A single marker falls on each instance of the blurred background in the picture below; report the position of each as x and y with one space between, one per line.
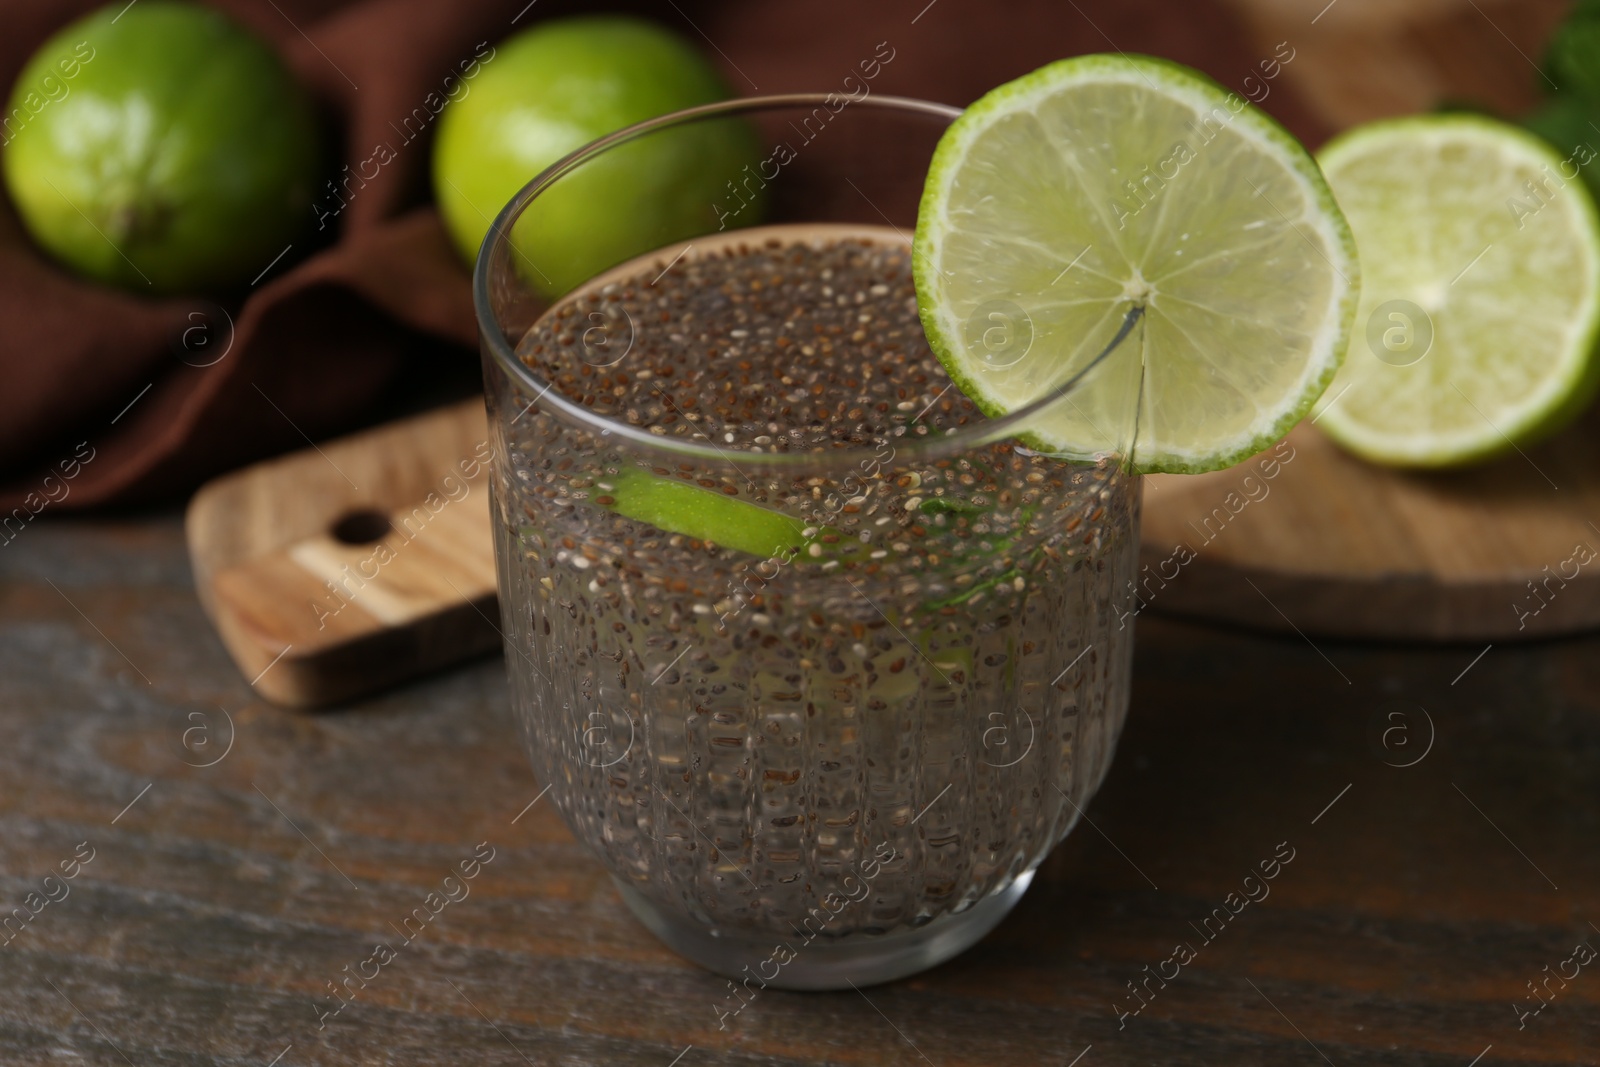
370 314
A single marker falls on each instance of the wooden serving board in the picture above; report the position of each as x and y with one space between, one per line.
1308 538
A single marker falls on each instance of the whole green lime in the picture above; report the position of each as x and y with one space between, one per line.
160 147
554 88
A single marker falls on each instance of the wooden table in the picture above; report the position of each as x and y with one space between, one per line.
1442 805
221 899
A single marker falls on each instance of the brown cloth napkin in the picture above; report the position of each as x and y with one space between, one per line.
110 398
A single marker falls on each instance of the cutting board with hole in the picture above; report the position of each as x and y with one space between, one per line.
346 568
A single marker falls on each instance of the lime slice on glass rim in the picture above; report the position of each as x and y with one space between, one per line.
1061 202
1478 317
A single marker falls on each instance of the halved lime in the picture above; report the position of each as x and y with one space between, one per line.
1060 201
1478 317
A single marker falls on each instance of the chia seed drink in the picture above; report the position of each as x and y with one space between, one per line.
837 761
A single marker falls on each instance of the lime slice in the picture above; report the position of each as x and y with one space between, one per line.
1477 325
1061 201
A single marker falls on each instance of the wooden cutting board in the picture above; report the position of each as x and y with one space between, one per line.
349 567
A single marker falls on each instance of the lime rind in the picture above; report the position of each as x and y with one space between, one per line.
1502 422
1319 223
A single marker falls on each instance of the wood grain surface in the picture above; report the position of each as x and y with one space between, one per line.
221 899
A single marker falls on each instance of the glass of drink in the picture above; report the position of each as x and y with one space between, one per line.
816 657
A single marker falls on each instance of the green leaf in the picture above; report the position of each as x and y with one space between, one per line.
1572 61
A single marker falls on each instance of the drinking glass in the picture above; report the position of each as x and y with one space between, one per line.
841 760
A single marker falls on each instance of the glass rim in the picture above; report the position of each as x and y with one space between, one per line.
932 446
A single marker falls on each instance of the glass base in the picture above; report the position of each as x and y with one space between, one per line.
859 959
